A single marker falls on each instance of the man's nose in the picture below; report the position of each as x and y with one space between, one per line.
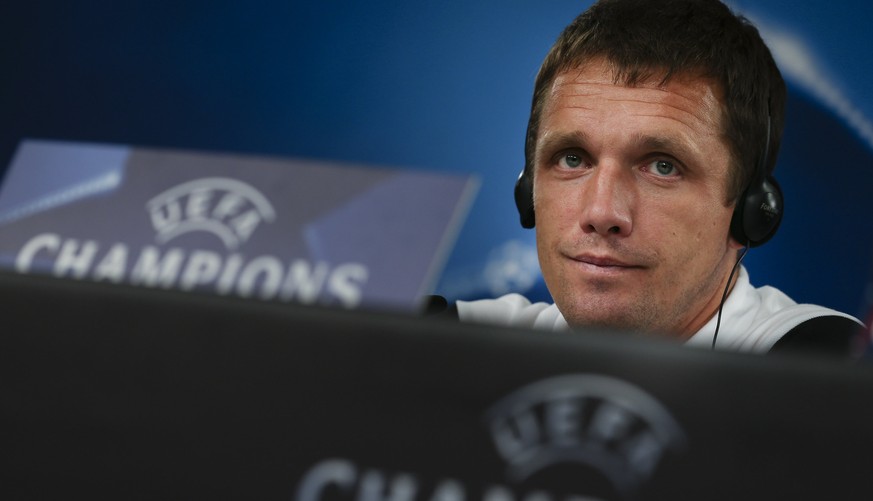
606 201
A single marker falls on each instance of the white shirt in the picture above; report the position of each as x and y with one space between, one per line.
752 320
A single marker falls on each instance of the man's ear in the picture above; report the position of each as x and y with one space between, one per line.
733 244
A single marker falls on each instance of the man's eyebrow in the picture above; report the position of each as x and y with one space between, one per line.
665 144
557 141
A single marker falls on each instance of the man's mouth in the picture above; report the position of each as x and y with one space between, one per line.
604 264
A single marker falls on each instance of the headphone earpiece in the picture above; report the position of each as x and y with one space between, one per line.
524 200
758 213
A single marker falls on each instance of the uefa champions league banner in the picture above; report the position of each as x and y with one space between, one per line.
273 229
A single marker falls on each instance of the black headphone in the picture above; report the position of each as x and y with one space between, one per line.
756 216
759 210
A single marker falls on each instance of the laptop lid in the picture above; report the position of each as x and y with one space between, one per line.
114 392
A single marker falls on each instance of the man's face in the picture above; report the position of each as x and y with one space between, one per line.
629 191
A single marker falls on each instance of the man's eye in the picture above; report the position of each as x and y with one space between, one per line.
662 168
570 161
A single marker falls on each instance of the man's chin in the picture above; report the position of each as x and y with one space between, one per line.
617 327
611 324
613 319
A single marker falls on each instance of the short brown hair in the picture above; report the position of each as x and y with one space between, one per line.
645 39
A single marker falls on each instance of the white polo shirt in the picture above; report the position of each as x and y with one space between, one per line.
753 319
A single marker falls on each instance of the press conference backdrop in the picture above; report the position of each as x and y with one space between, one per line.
427 85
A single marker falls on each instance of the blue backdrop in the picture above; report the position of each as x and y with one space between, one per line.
427 85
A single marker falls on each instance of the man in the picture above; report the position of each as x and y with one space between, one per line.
654 130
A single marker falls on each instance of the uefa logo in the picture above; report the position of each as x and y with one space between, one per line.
591 422
227 208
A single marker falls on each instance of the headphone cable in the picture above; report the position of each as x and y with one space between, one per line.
726 289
